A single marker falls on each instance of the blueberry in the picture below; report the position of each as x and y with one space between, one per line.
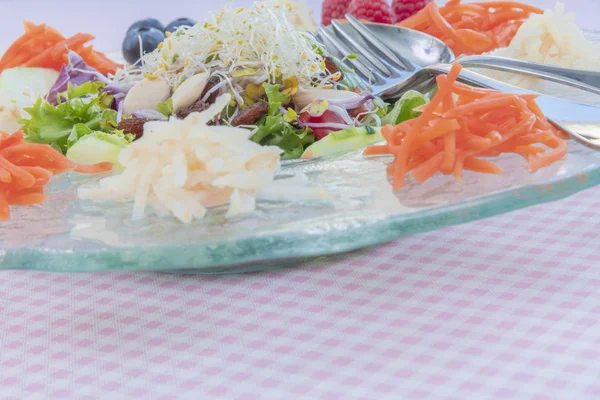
151 37
147 23
179 22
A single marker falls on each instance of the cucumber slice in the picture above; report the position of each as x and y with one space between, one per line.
344 141
32 82
97 147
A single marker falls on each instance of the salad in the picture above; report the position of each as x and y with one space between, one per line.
208 110
285 88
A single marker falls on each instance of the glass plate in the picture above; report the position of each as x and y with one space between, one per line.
66 235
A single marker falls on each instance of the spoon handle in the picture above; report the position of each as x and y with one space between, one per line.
580 79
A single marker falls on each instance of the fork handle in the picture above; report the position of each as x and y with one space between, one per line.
581 79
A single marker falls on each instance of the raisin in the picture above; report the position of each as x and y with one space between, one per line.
250 114
132 125
212 82
197 106
333 67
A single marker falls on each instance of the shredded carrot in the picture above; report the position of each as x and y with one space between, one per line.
94 168
44 47
473 28
483 166
26 168
460 125
370 151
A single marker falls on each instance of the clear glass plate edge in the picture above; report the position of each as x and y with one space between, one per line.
294 247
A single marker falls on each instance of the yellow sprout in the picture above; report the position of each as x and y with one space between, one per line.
318 109
290 86
290 116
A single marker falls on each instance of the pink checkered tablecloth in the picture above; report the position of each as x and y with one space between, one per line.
506 307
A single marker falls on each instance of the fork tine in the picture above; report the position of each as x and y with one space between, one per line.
364 70
370 38
362 50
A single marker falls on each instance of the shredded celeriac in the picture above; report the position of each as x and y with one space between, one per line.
183 167
256 41
550 38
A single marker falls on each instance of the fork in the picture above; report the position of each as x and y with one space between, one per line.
391 75
387 74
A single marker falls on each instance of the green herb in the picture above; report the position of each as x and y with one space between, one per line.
370 130
166 108
274 130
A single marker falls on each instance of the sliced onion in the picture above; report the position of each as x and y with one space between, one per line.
331 125
338 97
119 112
237 96
342 113
151 115
371 118
97 74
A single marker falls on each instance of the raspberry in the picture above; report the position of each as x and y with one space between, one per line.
371 10
402 9
334 9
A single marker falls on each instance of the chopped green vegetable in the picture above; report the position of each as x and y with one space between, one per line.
275 129
344 141
275 97
404 109
56 125
166 107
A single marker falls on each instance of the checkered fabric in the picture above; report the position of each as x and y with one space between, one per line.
501 308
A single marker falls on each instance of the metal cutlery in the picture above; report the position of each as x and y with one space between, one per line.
390 75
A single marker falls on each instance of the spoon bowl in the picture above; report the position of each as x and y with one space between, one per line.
420 48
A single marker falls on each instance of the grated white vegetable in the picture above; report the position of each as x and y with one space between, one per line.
183 167
550 38
261 37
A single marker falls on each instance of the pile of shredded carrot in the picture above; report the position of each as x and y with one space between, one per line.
473 28
25 168
460 125
44 47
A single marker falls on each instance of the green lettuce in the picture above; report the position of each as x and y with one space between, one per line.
62 125
274 130
404 109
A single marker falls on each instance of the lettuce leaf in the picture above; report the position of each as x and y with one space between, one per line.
404 109
273 130
275 97
56 124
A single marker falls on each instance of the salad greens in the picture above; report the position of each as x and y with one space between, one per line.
80 110
275 130
404 109
76 73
